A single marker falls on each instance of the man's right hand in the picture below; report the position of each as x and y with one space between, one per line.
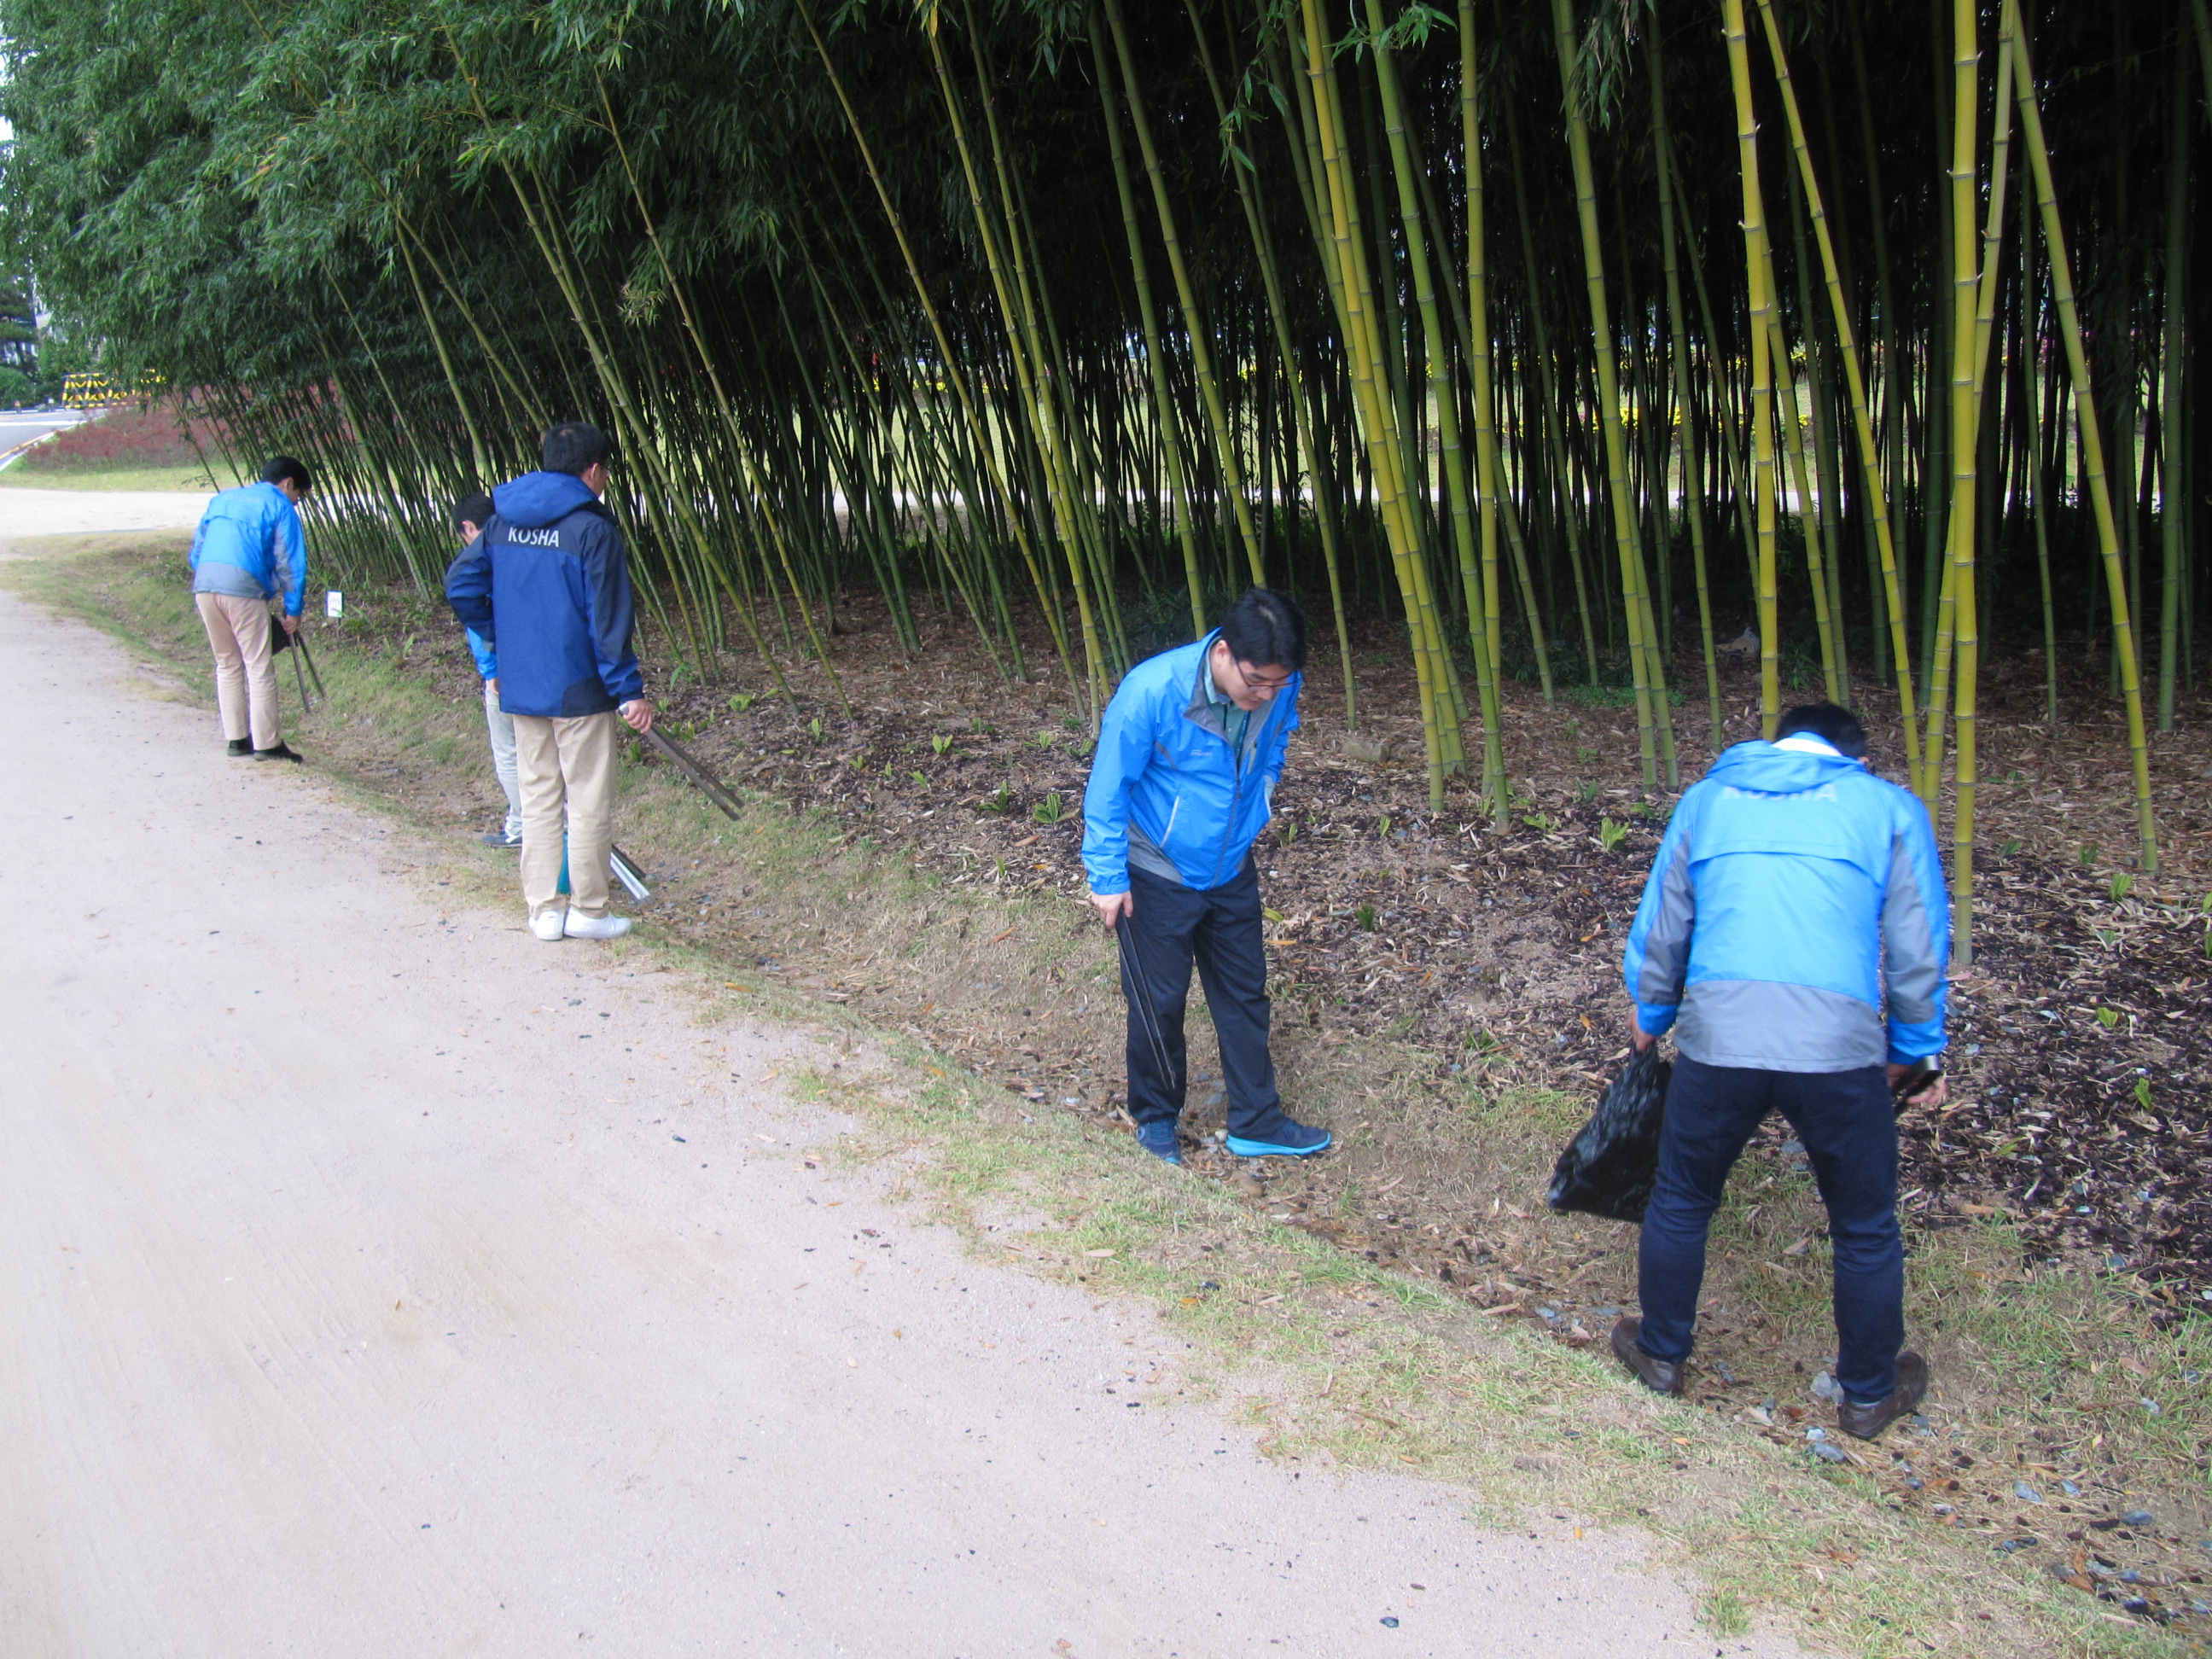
1112 907
637 713
1638 1038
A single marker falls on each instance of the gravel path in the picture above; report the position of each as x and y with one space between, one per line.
382 1281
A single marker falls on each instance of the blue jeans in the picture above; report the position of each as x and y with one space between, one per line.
1849 1129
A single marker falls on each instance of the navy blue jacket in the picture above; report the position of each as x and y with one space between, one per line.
1793 895
545 585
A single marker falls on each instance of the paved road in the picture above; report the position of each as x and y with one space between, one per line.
383 1281
21 425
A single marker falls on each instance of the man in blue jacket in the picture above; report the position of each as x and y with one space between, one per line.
1792 885
1188 757
546 586
249 548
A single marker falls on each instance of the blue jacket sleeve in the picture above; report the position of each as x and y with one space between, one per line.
1271 770
199 536
1916 936
487 658
610 611
292 535
1657 963
1125 750
468 590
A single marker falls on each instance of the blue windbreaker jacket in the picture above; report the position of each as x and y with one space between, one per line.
546 587
1165 776
256 528
1789 887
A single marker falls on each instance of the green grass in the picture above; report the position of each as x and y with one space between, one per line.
1329 1358
18 475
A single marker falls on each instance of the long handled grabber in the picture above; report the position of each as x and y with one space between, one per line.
1140 991
697 776
307 657
306 703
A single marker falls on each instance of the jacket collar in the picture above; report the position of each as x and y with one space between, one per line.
1202 710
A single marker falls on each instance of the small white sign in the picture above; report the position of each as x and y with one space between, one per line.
333 604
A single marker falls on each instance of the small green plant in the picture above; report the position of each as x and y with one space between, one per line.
1383 828
2143 1092
1272 914
2088 854
1287 831
979 726
1540 822
999 869
859 762
999 800
919 779
2107 937
1082 750
1727 1615
942 743
814 728
2204 905
1584 754
2121 885
2108 1017
1071 722
890 770
1364 918
1611 835
2009 848
1049 809
1045 738
1585 793
742 701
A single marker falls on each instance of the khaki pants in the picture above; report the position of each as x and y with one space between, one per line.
244 673
566 768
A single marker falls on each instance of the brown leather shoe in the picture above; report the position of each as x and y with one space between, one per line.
1868 1421
1656 1374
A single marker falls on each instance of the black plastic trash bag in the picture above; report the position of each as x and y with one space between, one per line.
1608 1170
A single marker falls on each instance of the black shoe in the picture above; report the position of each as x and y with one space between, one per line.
282 750
238 748
1660 1375
1869 1421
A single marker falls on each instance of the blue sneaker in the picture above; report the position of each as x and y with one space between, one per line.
1159 1137
1293 1139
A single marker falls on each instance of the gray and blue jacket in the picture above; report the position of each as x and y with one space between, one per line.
546 588
250 543
1169 791
1791 884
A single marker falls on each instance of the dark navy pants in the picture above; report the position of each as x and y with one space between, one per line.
1846 1121
1171 927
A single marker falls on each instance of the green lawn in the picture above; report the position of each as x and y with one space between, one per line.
172 479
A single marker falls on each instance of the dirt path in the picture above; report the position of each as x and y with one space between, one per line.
382 1281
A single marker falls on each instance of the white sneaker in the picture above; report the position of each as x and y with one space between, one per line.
580 925
547 925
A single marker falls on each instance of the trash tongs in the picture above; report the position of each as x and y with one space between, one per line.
698 776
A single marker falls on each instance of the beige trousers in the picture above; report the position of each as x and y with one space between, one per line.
567 771
244 673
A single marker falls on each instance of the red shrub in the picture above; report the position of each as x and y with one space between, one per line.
128 437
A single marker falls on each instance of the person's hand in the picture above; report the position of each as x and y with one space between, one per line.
291 624
638 714
492 685
1638 1038
1112 907
1931 1096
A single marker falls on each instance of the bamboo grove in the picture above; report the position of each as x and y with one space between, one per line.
1583 342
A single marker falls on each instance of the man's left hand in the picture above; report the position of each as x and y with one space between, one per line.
1638 1038
1933 1096
639 715
291 624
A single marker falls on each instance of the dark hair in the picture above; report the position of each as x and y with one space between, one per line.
574 446
472 509
1839 728
1267 631
282 467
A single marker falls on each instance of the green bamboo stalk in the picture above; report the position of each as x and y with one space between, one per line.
1201 354
1762 390
1654 720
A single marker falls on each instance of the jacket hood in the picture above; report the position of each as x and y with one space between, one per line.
1760 766
540 498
